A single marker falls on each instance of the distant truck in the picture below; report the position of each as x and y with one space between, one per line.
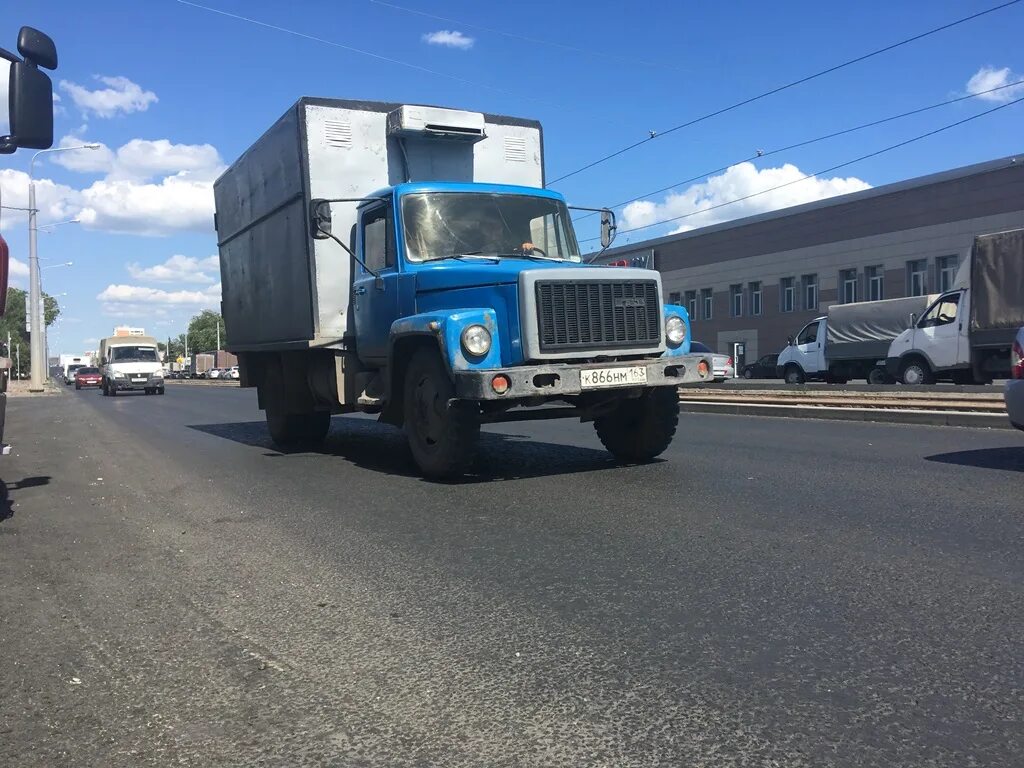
130 364
850 342
966 334
67 361
408 261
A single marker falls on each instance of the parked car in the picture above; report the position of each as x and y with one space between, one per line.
88 377
213 373
1014 393
233 373
762 368
721 364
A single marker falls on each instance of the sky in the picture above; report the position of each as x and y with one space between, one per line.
174 92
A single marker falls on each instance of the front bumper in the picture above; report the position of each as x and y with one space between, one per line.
563 379
88 383
127 385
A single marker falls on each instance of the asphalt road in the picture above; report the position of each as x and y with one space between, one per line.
775 592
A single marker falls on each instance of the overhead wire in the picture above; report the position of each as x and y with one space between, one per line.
830 169
808 142
660 134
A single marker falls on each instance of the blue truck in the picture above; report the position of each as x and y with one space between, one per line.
408 261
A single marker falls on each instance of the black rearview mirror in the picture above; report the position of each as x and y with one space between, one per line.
608 227
37 48
913 319
30 93
789 340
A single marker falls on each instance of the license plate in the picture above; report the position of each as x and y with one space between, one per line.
138 380
593 378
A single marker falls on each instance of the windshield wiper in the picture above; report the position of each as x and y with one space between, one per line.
474 256
521 255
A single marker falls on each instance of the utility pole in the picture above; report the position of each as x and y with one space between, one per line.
218 334
37 347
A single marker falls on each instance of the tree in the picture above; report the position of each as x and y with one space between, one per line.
202 331
13 321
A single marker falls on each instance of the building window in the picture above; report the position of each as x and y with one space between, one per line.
691 304
946 266
876 282
917 277
810 287
736 300
675 298
755 298
705 295
787 294
848 286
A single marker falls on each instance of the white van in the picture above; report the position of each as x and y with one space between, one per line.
131 363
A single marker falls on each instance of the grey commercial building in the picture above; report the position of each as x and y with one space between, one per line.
760 279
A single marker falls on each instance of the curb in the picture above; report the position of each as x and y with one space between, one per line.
882 415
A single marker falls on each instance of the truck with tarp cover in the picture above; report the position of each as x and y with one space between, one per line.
850 342
965 334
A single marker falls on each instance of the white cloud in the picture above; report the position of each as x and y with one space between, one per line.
141 159
176 203
449 39
99 160
56 202
18 268
120 96
145 296
177 269
737 182
987 78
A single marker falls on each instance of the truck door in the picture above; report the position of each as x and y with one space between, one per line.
375 299
939 331
810 347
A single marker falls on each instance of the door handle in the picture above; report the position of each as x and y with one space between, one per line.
359 290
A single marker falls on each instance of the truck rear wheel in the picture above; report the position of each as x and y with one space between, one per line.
642 428
442 433
878 376
793 374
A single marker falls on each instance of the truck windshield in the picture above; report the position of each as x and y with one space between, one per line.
133 354
442 225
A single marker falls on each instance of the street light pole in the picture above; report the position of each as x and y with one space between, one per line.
37 346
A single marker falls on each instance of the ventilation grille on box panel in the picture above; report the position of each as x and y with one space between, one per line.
515 149
337 133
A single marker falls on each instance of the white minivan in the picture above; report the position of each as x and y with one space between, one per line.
131 363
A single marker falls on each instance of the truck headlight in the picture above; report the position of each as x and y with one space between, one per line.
675 330
476 340
119 375
156 375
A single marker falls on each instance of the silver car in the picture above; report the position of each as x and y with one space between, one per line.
721 365
1014 393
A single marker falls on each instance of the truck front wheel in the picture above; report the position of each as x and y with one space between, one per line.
442 433
916 371
642 428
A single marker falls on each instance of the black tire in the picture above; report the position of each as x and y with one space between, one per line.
748 374
77 385
915 371
442 434
160 391
793 375
112 390
640 429
877 376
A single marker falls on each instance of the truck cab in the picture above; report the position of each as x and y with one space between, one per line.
804 358
937 342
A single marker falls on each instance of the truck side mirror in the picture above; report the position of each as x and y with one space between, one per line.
320 219
608 227
789 341
30 97
913 319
